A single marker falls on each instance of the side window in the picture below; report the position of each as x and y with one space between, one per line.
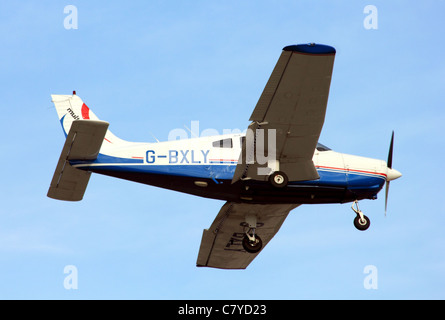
225 143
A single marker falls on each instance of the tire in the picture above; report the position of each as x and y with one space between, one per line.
360 225
278 179
251 247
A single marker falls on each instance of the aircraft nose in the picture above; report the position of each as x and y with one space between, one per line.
392 174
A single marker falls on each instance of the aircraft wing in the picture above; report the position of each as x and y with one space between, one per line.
221 244
294 104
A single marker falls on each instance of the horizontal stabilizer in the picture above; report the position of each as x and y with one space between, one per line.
83 142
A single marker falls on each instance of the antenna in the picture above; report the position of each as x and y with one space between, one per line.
154 137
191 132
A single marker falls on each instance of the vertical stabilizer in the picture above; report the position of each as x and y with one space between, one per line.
70 108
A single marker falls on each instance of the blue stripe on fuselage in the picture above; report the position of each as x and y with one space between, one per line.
335 178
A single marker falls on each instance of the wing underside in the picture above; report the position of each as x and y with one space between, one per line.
221 244
293 104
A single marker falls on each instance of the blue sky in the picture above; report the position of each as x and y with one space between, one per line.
151 67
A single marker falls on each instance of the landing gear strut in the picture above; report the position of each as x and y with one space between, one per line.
361 222
251 242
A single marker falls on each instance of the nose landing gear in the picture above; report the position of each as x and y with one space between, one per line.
361 222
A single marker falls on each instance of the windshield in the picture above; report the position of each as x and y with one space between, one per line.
322 147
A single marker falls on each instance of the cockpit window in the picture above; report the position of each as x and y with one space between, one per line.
321 147
224 143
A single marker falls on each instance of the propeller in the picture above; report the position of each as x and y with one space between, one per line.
392 174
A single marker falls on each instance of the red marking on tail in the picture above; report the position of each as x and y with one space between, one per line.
85 112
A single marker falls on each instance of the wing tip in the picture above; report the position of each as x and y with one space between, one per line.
311 48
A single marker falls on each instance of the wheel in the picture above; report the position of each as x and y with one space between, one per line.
362 225
252 246
278 179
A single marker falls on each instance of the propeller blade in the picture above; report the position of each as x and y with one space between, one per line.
391 146
386 196
392 174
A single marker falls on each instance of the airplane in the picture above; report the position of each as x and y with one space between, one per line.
259 191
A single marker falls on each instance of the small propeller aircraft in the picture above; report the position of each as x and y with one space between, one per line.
259 190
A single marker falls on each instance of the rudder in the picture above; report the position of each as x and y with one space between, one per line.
70 108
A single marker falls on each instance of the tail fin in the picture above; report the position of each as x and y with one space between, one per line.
85 136
70 108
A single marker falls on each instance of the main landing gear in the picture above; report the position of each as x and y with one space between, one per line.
278 179
251 242
361 222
